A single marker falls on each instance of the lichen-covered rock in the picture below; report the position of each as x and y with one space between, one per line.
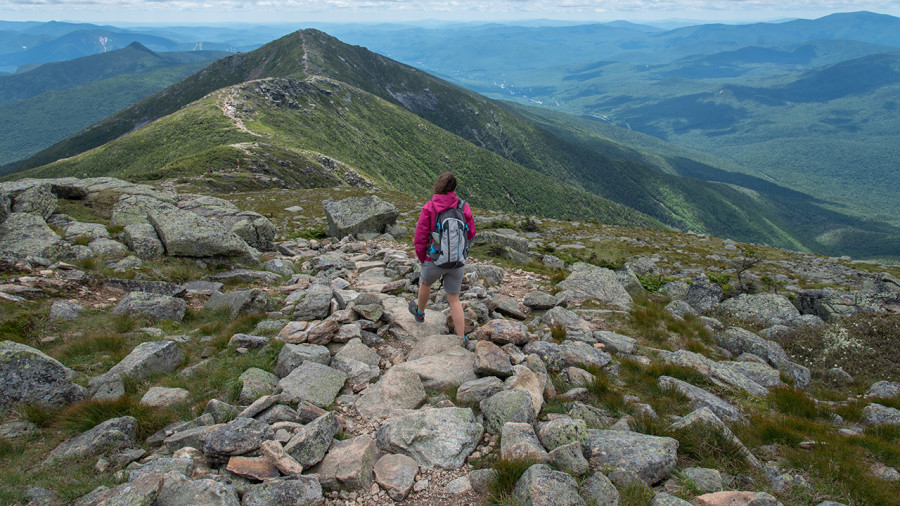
237 437
703 295
104 438
163 465
491 360
441 437
518 441
542 485
5 206
143 240
146 359
761 308
700 398
492 275
65 310
179 490
396 474
349 464
161 397
309 445
506 240
719 373
539 300
600 490
831 305
358 215
450 368
24 234
884 389
501 332
151 305
615 342
664 499
597 283
738 341
703 479
315 305
312 382
556 433
570 458
143 491
562 317
736 497
184 233
293 491
397 390
240 302
650 457
507 406
475 391
558 357
28 376
876 414
38 200
78 230
292 355
134 209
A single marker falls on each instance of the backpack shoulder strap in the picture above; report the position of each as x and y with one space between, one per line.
461 204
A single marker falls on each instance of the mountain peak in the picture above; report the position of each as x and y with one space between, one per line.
140 47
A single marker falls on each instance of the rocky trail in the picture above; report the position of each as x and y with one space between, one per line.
363 405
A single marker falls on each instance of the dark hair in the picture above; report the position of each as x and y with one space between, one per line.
445 183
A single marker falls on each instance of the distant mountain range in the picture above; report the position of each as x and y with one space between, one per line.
308 110
807 104
55 100
24 45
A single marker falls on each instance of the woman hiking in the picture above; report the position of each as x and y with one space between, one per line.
428 251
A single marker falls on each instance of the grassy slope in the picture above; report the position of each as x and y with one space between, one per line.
387 143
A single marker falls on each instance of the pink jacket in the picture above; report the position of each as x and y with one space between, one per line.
437 204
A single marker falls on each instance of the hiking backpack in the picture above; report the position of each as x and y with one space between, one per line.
449 245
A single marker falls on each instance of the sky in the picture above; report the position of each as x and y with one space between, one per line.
281 11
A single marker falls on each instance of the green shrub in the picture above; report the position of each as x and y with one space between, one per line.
653 283
793 402
20 324
508 474
722 279
88 414
704 445
311 233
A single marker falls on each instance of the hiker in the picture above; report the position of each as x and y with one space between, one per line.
443 261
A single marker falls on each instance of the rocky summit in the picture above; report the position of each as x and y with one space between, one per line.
182 349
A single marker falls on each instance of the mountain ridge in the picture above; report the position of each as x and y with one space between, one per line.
679 202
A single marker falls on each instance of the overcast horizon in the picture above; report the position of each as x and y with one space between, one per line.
198 12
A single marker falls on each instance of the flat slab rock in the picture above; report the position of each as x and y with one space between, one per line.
650 457
441 437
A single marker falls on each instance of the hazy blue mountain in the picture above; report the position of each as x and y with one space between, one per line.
44 106
135 58
14 41
83 43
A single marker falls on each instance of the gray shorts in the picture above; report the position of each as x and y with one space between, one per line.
452 277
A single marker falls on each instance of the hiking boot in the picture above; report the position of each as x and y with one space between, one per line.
414 310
